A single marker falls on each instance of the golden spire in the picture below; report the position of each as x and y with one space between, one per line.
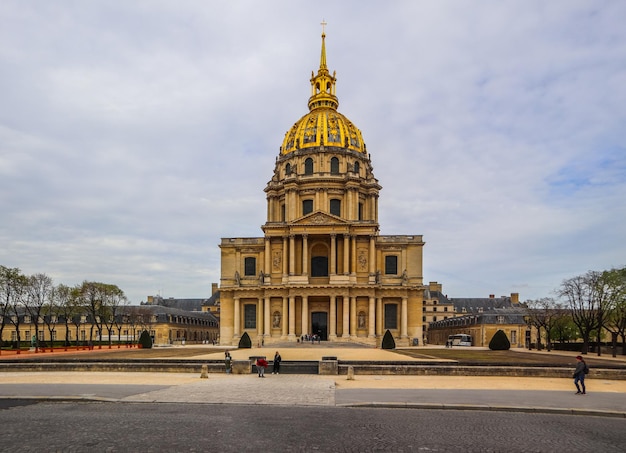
323 84
323 57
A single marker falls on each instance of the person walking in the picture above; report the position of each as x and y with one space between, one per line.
579 375
228 362
277 360
261 364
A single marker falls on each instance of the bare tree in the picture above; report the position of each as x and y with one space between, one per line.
14 288
581 296
544 314
112 298
8 282
37 295
91 297
51 311
121 318
64 308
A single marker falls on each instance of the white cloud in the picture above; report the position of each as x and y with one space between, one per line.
133 136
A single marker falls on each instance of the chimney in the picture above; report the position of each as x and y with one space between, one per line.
492 296
515 298
213 288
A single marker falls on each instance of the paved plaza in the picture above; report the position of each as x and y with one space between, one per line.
605 397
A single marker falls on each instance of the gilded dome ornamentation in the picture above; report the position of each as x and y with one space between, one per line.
323 125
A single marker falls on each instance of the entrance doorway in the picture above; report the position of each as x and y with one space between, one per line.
319 324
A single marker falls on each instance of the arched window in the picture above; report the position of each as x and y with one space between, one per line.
288 169
308 166
334 166
357 167
307 207
335 207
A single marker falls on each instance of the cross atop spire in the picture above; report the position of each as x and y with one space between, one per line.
323 24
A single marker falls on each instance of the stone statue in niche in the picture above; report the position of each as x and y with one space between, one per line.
361 320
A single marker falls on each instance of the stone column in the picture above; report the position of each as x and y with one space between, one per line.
260 312
237 318
372 318
292 254
285 318
372 254
268 258
333 254
332 335
305 255
379 316
403 319
346 254
292 317
267 318
305 314
353 255
346 318
285 256
353 317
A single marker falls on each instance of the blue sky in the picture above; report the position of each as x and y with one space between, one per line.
134 135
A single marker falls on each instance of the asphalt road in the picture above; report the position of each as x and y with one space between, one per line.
28 426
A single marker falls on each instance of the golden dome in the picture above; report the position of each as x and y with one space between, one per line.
323 125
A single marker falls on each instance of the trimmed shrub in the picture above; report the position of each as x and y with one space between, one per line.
499 342
388 341
245 341
145 340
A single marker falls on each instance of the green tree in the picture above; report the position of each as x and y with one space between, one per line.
615 319
145 340
388 341
245 342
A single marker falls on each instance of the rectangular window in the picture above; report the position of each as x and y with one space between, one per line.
335 207
250 265
391 316
249 316
391 265
360 211
513 337
307 207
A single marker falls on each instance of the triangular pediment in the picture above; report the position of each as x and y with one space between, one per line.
319 218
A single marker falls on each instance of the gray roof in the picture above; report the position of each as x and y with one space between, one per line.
480 304
182 304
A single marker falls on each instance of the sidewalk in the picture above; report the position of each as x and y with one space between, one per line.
548 395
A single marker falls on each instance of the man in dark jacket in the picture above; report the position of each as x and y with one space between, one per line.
277 360
579 375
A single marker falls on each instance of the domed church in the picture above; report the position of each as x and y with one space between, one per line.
321 267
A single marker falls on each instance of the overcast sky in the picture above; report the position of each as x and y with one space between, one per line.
134 135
